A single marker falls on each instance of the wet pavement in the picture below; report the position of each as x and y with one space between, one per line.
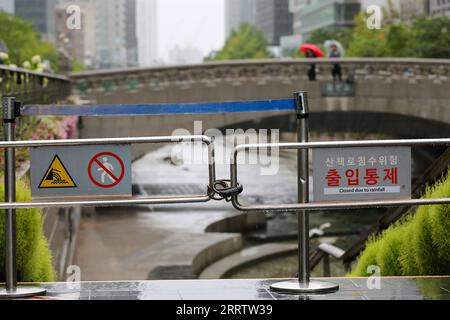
160 241
425 288
169 241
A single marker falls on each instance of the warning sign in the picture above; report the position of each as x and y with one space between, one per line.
57 176
364 173
106 170
91 171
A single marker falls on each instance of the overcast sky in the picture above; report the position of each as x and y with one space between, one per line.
197 23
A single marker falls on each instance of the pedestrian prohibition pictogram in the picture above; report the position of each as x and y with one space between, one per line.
106 170
57 176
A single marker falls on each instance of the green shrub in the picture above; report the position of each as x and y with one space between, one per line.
367 258
34 260
417 245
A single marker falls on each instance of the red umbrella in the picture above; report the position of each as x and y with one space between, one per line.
315 49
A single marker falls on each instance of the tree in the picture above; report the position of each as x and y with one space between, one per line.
432 37
367 42
23 41
400 41
245 43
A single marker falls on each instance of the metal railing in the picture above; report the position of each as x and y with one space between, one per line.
215 189
341 204
118 202
31 86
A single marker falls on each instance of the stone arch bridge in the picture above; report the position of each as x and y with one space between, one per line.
407 98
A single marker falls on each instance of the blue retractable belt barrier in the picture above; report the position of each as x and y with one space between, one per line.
158 109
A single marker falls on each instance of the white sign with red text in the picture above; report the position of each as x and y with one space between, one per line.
362 173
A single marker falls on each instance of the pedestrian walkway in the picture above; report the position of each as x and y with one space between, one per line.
422 288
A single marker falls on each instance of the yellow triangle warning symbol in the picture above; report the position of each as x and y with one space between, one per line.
57 176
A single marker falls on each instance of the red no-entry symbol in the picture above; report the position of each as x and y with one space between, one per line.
104 172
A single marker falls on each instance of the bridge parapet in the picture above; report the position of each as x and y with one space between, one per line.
415 89
31 86
259 72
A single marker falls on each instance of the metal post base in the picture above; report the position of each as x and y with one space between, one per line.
22 292
295 287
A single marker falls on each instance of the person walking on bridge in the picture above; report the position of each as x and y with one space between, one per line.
311 51
336 71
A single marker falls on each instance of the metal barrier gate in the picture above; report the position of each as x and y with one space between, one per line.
216 189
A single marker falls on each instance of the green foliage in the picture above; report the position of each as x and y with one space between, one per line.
367 42
344 36
24 41
426 38
418 245
296 54
78 66
399 41
432 37
34 261
367 258
245 43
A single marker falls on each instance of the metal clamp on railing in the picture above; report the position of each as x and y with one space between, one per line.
222 190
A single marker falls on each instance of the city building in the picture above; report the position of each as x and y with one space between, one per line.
393 8
311 15
147 32
237 12
296 7
440 7
110 34
381 3
273 18
115 34
107 37
79 43
185 55
41 13
7 6
412 9
131 42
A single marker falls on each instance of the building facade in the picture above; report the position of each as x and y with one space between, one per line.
147 32
274 19
107 37
185 55
110 34
296 7
7 6
41 13
311 15
412 9
79 43
381 3
131 42
237 12
440 7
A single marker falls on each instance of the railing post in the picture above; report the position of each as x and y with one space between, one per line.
11 290
9 120
326 265
301 102
303 284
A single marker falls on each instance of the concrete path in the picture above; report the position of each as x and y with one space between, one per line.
392 288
